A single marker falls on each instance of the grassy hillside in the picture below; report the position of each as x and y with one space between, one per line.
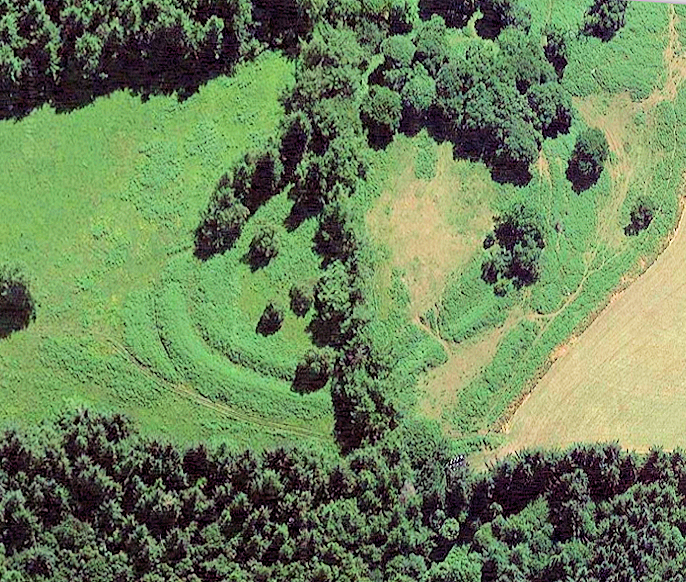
101 205
495 347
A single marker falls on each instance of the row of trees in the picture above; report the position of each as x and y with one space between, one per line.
68 51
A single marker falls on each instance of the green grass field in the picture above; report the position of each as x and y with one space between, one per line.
101 206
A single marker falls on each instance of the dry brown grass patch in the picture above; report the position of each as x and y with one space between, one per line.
424 226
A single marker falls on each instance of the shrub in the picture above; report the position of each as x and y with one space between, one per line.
17 307
641 216
263 248
313 371
302 296
271 319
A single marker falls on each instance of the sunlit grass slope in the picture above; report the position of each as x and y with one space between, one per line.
98 209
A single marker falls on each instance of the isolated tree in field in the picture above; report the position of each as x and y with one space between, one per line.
586 163
302 296
605 18
641 216
271 319
263 247
17 307
515 244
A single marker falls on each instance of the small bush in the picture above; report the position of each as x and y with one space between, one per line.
313 372
263 248
641 216
271 319
17 307
302 296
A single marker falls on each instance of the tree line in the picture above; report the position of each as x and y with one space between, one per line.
66 52
87 498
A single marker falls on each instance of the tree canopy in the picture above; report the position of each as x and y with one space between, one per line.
86 498
516 245
586 164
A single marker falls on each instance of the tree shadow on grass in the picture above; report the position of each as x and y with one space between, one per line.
17 308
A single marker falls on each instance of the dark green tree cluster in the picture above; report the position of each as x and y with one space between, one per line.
586 164
495 104
17 306
66 52
499 106
593 512
604 18
495 14
516 245
90 501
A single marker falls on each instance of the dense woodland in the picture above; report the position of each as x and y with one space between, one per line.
88 499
